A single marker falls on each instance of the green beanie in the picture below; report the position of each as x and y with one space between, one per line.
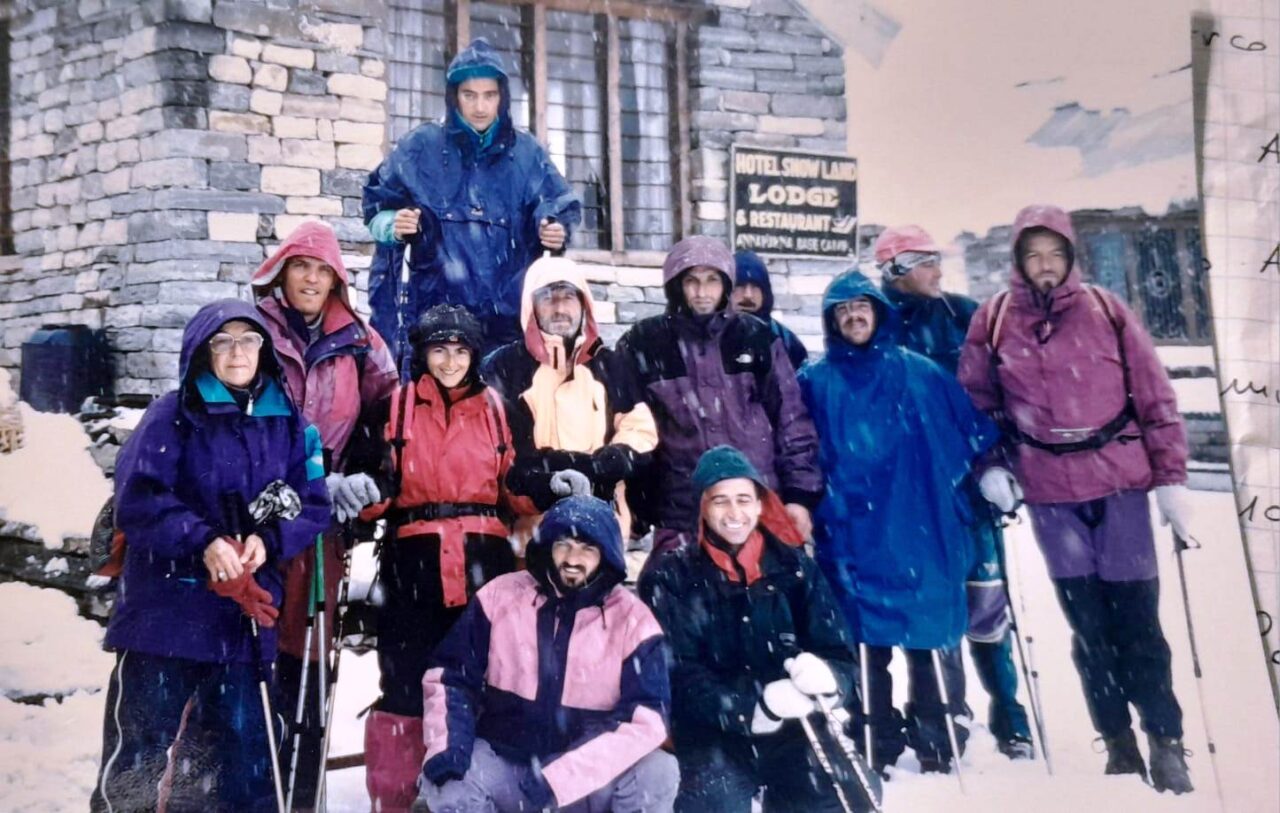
724 463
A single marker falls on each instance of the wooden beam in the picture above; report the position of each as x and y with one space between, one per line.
636 9
679 79
613 83
539 89
462 25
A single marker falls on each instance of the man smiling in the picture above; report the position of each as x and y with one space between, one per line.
898 433
551 691
756 637
714 376
334 368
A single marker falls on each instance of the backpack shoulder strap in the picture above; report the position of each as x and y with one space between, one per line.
995 318
1108 307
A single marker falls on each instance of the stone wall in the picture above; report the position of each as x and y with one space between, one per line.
160 148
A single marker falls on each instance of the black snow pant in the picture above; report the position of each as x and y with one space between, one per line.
925 725
1121 654
725 779
413 618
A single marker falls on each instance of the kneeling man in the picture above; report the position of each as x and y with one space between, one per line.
552 691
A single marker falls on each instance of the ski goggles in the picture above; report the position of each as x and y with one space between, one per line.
904 262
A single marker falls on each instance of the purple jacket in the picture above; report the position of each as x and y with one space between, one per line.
1074 379
195 454
723 379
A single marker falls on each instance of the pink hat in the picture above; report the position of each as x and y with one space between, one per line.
893 241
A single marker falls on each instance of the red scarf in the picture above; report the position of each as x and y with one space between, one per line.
774 518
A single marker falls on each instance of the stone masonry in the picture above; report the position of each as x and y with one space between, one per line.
161 148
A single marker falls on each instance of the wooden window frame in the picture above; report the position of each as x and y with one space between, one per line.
680 17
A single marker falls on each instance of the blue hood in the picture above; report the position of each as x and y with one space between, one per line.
748 267
194 358
587 519
478 60
851 285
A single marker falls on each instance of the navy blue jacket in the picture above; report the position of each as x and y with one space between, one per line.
482 201
934 328
576 680
749 268
729 639
195 458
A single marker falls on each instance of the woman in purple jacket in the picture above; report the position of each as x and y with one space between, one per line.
197 564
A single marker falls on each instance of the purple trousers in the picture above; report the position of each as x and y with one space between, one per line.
1109 537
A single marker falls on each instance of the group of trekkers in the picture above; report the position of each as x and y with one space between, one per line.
806 518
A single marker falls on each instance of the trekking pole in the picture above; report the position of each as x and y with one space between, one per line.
323 661
300 712
864 668
402 316
946 715
344 588
825 761
836 719
1026 657
1180 546
231 512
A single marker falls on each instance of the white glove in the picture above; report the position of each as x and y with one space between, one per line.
783 701
350 493
1174 503
811 675
569 481
999 488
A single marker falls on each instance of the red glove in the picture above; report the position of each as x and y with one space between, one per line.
254 601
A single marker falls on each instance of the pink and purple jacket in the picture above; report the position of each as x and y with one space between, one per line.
575 683
1059 374
349 366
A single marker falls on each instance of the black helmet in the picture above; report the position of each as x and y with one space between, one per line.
440 324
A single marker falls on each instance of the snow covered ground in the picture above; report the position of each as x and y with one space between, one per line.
50 658
49 752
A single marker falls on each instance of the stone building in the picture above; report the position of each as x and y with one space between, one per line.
156 150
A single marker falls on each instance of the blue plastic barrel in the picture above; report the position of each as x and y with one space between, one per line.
62 365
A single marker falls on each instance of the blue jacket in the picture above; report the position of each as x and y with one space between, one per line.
482 200
934 327
749 268
576 680
898 439
196 457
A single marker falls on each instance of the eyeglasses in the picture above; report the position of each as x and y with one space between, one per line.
222 343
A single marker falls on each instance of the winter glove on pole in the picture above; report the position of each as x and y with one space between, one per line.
570 482
781 700
254 601
999 488
348 494
1174 503
276 501
811 675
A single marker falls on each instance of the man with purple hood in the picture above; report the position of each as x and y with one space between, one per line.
713 376
1091 425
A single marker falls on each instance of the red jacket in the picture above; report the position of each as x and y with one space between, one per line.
457 452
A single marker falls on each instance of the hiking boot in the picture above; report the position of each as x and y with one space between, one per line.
934 764
1123 755
1017 747
1169 764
